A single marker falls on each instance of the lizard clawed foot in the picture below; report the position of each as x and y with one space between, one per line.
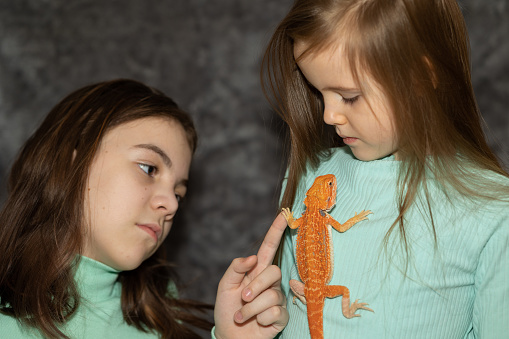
349 310
363 215
298 289
288 215
302 299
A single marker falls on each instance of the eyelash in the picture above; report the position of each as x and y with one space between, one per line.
154 169
350 101
347 101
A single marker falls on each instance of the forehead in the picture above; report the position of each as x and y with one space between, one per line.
144 128
164 132
339 50
329 64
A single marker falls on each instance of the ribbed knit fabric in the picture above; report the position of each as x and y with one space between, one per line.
458 289
99 315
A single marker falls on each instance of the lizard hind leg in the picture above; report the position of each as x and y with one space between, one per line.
333 291
298 289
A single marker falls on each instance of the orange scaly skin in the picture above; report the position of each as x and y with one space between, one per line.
314 253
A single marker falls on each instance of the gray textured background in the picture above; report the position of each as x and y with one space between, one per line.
206 55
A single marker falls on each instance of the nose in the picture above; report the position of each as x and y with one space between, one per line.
333 116
165 203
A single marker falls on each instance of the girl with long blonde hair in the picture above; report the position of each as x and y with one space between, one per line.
379 94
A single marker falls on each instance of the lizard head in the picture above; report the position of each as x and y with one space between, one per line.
323 191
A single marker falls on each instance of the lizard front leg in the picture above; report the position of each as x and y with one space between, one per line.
349 223
290 220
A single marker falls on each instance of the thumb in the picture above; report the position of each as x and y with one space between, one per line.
236 273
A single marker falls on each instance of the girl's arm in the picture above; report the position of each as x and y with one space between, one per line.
249 301
491 305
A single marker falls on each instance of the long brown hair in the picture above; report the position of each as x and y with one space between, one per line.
41 222
417 51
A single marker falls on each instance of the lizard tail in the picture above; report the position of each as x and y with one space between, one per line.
315 319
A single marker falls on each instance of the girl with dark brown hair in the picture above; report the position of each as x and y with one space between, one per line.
404 137
92 196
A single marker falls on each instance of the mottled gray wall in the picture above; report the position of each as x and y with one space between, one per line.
205 54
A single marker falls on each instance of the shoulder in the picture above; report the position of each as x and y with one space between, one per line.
488 200
495 217
482 223
12 328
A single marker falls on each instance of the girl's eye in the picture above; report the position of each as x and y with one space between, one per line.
150 170
350 101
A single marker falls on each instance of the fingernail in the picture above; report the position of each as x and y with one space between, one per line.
247 293
238 316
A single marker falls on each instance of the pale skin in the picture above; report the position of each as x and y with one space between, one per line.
250 303
135 183
363 120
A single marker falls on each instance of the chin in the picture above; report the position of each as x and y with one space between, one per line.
364 157
129 267
370 157
127 264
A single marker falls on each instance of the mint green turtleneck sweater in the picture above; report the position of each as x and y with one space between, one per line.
99 314
460 289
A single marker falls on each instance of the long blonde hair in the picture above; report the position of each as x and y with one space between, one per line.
418 52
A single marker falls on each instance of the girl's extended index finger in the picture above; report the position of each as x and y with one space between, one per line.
271 242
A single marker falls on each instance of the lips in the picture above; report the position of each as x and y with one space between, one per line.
347 140
153 230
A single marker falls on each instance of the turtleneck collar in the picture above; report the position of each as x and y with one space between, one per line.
96 281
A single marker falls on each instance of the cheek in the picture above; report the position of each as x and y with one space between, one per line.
113 198
382 123
387 120
389 130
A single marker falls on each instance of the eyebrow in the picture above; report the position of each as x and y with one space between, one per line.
336 88
164 157
343 89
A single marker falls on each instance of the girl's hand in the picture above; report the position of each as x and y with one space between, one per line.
249 302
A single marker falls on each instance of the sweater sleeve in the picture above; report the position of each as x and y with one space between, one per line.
491 304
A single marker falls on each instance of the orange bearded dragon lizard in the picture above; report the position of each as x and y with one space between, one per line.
315 253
